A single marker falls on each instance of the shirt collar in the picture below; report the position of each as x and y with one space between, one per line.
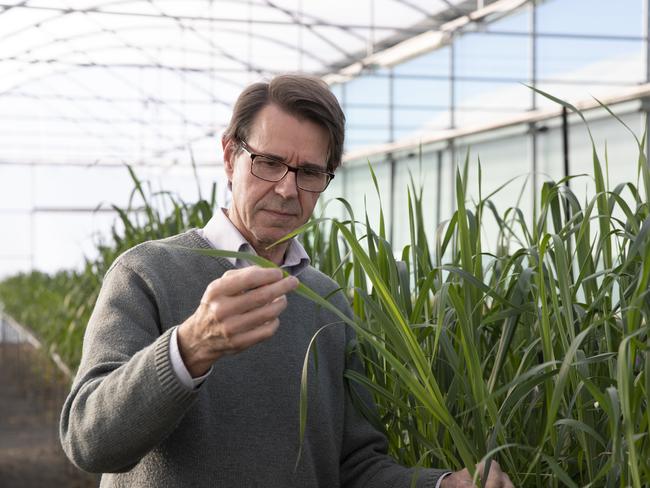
221 233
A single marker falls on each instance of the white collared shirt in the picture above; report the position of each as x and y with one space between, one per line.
221 233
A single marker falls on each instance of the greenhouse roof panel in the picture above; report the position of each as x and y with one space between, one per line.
172 68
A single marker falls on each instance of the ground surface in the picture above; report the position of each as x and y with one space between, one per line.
31 394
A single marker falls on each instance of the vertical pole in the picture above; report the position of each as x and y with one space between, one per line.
452 119
32 218
370 48
565 144
391 228
646 50
533 102
391 159
344 175
567 172
300 34
213 67
249 39
391 105
439 188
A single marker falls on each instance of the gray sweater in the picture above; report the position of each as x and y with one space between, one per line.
128 415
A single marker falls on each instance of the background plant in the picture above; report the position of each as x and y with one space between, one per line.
57 306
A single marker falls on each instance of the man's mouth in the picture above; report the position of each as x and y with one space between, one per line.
280 213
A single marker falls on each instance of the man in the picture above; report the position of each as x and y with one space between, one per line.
191 367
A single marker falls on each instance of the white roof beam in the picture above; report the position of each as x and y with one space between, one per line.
420 44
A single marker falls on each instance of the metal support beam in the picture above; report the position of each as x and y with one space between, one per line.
538 115
439 188
393 163
565 144
393 174
452 121
220 19
646 50
32 218
533 101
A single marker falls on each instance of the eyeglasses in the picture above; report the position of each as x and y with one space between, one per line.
270 168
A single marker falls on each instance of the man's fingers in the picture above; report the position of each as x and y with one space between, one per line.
505 481
263 295
239 310
233 282
243 341
253 319
496 477
223 307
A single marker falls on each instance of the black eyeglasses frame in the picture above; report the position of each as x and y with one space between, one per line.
247 149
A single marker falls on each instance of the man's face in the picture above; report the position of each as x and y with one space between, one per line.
265 211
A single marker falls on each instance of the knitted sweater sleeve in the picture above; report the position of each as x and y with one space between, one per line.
125 398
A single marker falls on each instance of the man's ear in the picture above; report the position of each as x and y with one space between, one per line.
229 151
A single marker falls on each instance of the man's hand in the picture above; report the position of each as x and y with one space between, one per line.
496 478
236 312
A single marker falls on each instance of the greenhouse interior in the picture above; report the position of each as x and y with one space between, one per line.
485 244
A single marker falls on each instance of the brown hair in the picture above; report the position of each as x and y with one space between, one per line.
302 96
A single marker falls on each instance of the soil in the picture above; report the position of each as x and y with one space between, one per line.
32 391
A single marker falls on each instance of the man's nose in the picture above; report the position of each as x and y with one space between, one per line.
287 187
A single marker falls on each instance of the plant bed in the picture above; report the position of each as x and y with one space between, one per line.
33 391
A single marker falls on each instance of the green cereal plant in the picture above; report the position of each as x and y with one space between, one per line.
535 353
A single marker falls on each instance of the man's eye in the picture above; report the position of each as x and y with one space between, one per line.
269 163
311 173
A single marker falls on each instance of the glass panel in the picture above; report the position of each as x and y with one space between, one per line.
337 89
18 246
422 93
424 172
420 104
15 187
608 133
61 240
589 62
490 70
11 265
367 110
368 89
63 187
574 68
447 184
367 126
361 194
501 159
326 205
517 21
484 102
433 63
601 17
494 56
410 121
